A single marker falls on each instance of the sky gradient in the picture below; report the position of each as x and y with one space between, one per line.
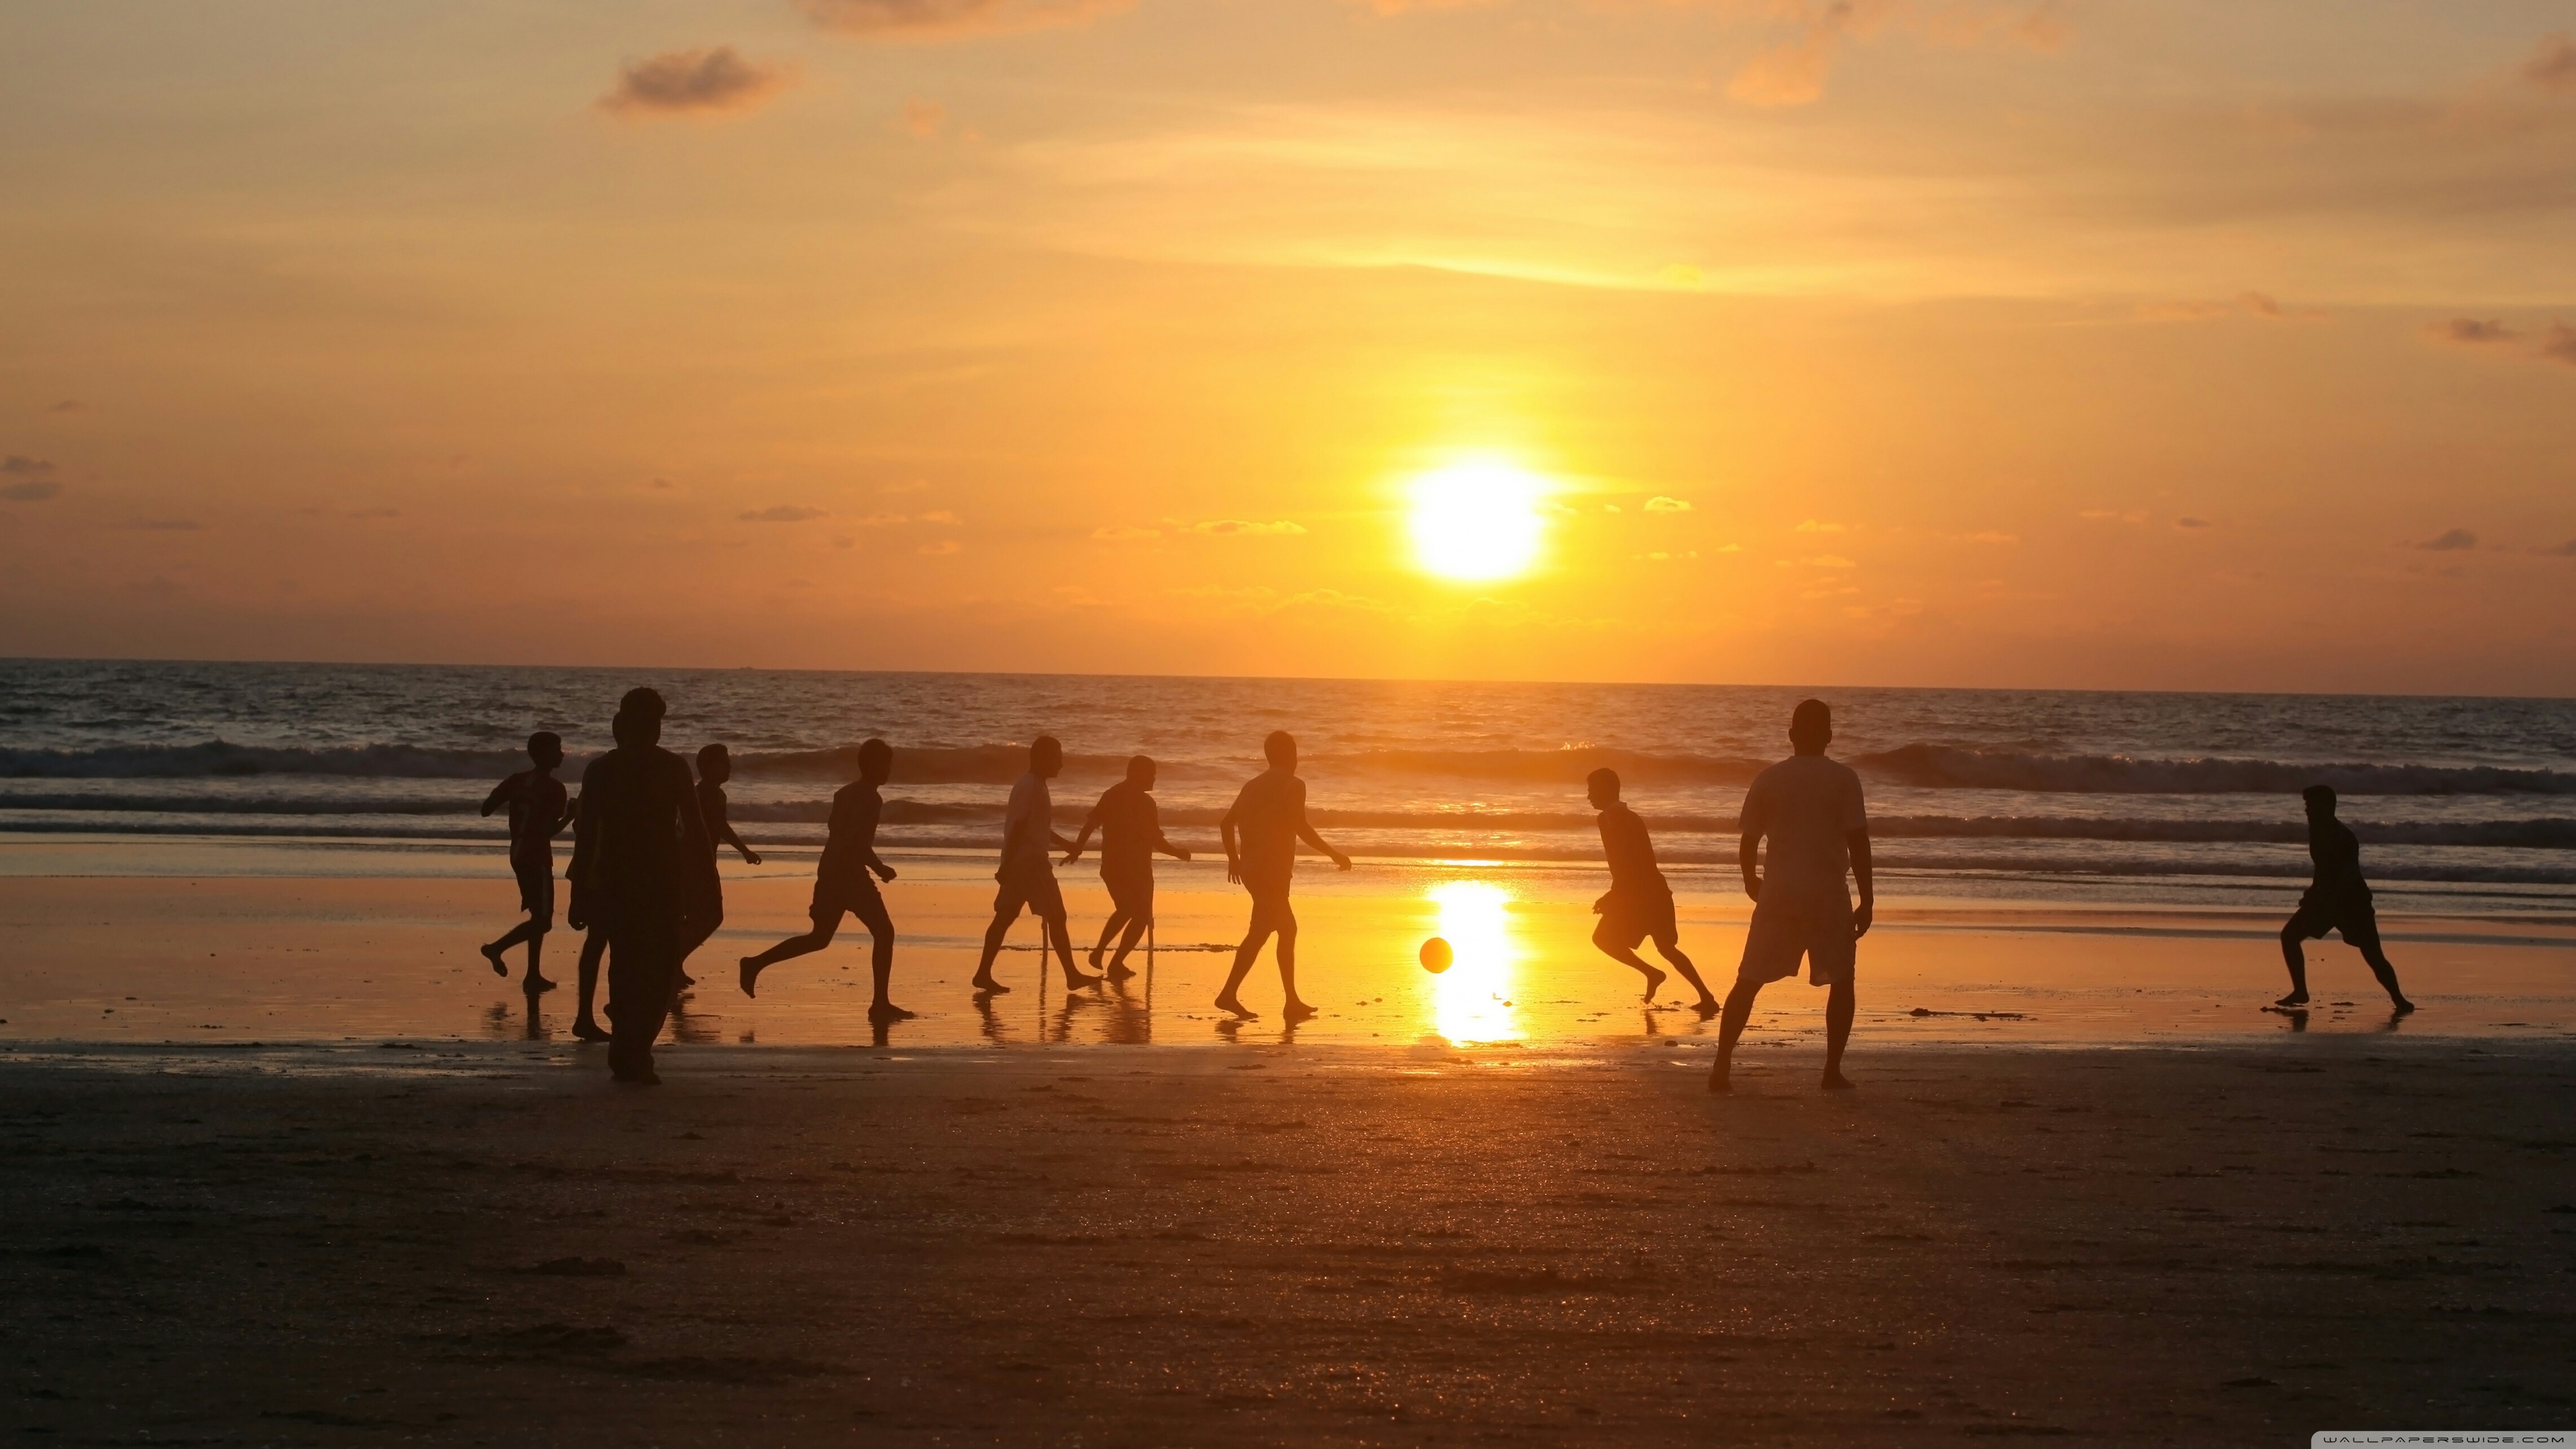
2095 344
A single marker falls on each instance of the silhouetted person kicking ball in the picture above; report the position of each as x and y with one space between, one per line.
2337 900
715 766
1028 869
1261 833
1131 831
538 809
1638 907
842 883
639 843
1810 810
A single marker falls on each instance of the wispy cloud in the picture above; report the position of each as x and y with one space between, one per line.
18 465
2552 67
1661 504
2558 344
35 490
921 118
1124 533
2261 306
2453 540
941 549
166 525
1236 527
711 80
1814 525
783 513
2193 523
952 19
2470 332
1794 73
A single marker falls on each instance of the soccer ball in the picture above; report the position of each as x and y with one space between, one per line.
1436 955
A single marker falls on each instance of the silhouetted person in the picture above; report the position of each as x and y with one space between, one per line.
594 949
1261 832
1028 869
538 809
715 766
842 883
1638 906
1810 809
2338 900
639 847
1131 831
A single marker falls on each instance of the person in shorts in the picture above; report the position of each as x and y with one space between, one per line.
1809 809
1131 832
1027 873
1638 907
845 883
539 808
636 842
1261 833
2337 900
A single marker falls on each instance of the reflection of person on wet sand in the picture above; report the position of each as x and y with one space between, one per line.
1638 907
1261 833
843 883
639 838
1810 810
715 766
538 809
1028 871
1131 831
2338 900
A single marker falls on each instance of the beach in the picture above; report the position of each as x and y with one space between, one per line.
483 1243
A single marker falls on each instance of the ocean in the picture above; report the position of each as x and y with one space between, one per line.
2461 804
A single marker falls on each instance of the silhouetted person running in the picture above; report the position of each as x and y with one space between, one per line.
1028 869
1131 831
842 883
538 809
1261 832
639 846
1638 907
715 766
1810 810
2337 900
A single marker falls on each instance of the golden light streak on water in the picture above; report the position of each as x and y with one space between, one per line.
1472 1001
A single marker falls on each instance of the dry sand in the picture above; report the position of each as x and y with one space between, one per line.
1311 1245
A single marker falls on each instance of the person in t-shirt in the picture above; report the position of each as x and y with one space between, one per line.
2338 899
638 844
1027 872
1638 907
1131 831
1261 833
1809 809
539 809
843 883
715 766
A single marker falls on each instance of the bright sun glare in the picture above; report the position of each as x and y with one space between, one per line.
1472 1000
1476 521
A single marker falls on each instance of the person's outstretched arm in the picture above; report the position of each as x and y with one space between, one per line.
723 831
1225 832
1306 833
1164 844
1748 854
1858 841
500 795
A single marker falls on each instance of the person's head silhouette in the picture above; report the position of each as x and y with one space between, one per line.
1602 788
876 762
643 709
715 764
1046 757
1281 750
1811 727
2320 801
545 749
1140 771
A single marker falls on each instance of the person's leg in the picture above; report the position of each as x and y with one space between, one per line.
1670 948
826 921
1254 936
1730 1026
872 914
585 1022
1294 1007
2297 959
1108 928
1059 934
1607 937
2363 935
1005 911
643 969
701 929
1119 970
1840 1003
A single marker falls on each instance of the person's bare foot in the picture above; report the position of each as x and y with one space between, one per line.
2295 998
645 1078
1296 1011
1654 982
1231 1002
2403 1006
1708 1006
752 966
588 1030
500 967
1095 957
1075 980
1120 971
535 984
1835 1081
888 1011
687 981
1718 1077
985 985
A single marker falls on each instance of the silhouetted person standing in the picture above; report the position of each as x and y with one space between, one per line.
715 766
1261 832
1027 873
638 849
1809 808
538 809
1638 907
2338 899
843 883
1131 831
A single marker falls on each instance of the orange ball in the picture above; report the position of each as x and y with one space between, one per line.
1436 955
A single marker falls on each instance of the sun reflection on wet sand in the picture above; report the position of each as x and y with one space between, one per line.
1472 1000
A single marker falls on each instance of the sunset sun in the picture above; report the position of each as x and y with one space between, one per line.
1477 521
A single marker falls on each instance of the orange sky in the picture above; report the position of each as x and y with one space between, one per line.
2086 344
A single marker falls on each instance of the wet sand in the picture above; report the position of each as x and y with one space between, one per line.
485 1243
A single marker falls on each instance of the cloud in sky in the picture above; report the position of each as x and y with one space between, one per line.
783 513
1124 533
68 405
2552 67
1238 528
2193 523
2559 343
941 549
2470 332
1661 504
32 491
2259 305
18 465
921 118
1818 526
2451 540
952 19
166 525
1794 73
706 80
